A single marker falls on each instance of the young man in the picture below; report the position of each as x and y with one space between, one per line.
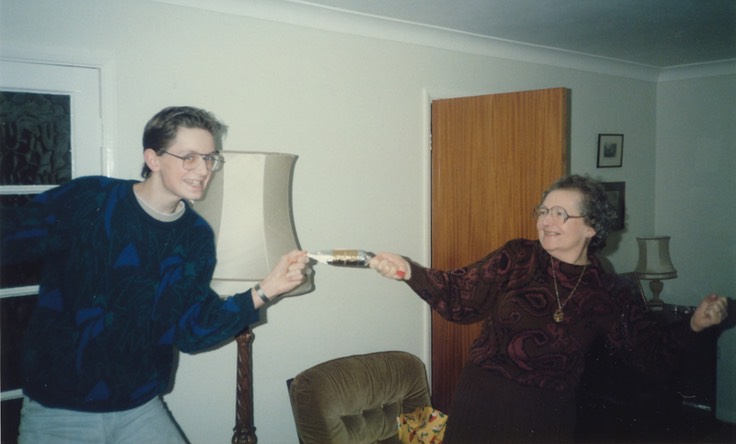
125 281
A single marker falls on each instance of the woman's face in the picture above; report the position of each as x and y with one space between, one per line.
565 240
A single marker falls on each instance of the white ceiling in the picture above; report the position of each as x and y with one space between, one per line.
656 33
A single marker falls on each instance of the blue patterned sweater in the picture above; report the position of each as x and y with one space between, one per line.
120 291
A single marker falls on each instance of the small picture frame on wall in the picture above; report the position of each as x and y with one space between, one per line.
610 150
616 192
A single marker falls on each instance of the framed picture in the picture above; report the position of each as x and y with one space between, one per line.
616 192
610 150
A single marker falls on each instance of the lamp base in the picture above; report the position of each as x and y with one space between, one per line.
244 431
655 303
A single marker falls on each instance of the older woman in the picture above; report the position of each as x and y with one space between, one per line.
543 303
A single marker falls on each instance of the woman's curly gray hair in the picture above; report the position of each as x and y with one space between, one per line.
598 211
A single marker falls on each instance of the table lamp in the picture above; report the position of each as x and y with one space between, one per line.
248 205
655 265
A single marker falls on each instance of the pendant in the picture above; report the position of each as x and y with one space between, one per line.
559 316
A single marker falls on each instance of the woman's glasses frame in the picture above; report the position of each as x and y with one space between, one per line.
558 213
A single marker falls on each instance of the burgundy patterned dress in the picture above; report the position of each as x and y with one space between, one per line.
525 366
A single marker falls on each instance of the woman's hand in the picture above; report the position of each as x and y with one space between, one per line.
392 266
711 311
288 273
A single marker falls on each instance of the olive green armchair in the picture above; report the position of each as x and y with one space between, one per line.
357 399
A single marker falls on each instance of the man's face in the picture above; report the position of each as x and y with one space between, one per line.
187 183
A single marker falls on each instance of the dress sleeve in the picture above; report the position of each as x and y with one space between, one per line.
645 342
466 294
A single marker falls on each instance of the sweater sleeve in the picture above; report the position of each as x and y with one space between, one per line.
205 319
31 231
214 320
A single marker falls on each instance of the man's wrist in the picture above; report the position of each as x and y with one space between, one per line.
262 294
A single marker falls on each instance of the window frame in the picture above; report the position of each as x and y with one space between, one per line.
83 83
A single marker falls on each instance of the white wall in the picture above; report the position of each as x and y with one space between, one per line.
696 203
354 109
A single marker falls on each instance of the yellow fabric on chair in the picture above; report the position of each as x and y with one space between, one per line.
424 425
356 399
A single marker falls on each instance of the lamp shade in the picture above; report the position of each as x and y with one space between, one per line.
248 205
654 258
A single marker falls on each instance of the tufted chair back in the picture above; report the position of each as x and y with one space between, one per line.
356 399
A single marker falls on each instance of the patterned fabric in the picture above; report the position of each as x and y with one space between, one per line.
119 292
512 292
424 425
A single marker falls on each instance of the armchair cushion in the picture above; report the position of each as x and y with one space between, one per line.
357 399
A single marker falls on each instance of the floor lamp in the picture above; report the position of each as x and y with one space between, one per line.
248 205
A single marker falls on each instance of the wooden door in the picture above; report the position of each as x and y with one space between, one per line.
492 156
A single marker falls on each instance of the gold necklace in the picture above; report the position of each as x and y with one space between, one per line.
559 316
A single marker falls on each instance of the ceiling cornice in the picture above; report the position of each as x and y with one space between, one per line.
334 20
720 68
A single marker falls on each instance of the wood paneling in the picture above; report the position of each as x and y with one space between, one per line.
492 156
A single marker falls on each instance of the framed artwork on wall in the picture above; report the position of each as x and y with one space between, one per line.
616 192
610 150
